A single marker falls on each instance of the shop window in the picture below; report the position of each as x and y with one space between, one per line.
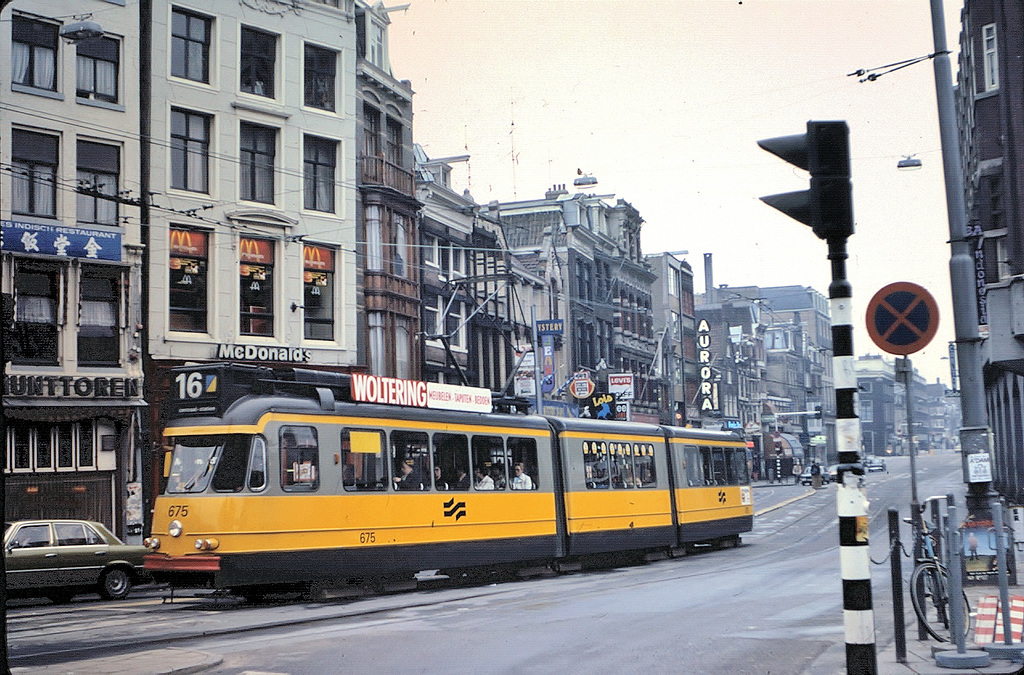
489 463
595 465
44 447
300 459
97 69
34 53
188 280
65 446
318 293
99 168
36 293
410 457
256 271
22 459
99 337
363 460
86 446
523 453
451 462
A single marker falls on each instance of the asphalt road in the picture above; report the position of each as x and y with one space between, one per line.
772 605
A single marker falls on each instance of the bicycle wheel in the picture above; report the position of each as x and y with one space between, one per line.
929 593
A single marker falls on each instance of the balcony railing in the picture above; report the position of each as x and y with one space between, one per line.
379 171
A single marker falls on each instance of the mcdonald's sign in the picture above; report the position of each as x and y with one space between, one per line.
188 243
256 251
318 258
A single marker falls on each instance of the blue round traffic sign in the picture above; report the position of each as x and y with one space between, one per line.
902 318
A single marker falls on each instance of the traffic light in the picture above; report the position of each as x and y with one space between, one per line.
824 151
817 411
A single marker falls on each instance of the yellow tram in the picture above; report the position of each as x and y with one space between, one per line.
294 477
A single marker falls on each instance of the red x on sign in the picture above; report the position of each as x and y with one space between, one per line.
902 318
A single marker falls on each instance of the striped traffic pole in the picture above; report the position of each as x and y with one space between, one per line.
851 496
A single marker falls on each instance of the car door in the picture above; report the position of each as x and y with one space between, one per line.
31 558
82 553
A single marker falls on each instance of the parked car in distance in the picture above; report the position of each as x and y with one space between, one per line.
807 479
58 559
833 472
874 464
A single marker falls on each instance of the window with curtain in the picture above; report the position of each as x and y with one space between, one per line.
34 53
256 154
99 167
97 66
320 67
378 361
36 292
99 339
258 56
190 45
403 349
34 164
400 257
190 151
319 162
374 239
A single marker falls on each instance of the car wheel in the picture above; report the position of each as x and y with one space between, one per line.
115 584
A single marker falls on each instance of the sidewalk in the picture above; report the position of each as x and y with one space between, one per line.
169 661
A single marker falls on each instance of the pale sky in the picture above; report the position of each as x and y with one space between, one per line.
664 102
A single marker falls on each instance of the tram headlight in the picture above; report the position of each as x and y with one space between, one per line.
174 529
153 543
206 544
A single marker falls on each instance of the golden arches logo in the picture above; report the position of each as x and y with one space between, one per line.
317 258
255 250
188 242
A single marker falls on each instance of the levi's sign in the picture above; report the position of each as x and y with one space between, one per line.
416 394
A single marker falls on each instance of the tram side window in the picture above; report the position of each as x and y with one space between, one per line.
230 473
595 464
489 463
707 466
258 464
694 466
523 452
621 464
364 467
643 465
738 471
410 458
451 456
300 459
720 466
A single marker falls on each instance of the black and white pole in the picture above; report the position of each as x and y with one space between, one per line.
851 497
827 207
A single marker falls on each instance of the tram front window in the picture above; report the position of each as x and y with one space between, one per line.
194 464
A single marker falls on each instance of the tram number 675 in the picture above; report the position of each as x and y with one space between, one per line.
367 537
177 511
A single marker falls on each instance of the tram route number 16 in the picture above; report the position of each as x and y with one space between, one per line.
190 385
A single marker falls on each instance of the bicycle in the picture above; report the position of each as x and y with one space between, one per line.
929 590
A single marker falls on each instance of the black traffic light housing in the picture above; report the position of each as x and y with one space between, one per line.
817 411
824 151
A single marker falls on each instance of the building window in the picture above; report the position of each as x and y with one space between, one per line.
190 46
319 162
34 53
36 294
97 68
190 151
455 326
320 67
377 44
99 339
318 294
394 142
431 312
371 132
403 349
429 251
377 358
188 275
374 241
257 160
259 52
867 411
99 167
991 60
402 260
33 185
256 271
